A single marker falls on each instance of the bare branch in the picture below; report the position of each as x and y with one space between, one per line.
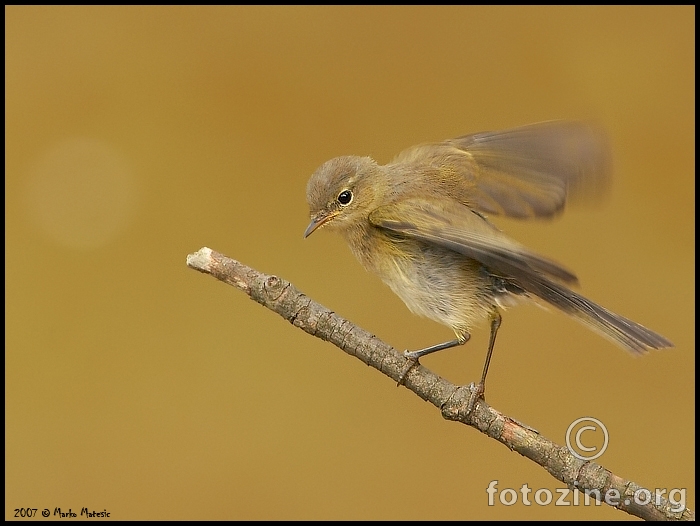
283 298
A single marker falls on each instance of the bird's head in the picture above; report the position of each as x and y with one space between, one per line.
342 192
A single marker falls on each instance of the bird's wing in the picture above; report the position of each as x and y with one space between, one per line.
456 227
523 172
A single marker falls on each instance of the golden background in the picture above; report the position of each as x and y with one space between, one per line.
135 136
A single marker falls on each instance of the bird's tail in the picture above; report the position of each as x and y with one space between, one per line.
630 335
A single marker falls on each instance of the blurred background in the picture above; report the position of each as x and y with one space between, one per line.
137 135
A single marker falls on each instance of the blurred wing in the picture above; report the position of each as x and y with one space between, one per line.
524 172
455 227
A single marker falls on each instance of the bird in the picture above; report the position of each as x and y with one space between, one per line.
421 224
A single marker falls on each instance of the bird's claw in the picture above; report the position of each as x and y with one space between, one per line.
477 393
410 364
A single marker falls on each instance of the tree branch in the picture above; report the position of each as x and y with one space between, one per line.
283 298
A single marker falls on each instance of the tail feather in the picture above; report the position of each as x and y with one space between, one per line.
627 333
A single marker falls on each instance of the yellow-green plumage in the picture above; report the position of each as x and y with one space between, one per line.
419 223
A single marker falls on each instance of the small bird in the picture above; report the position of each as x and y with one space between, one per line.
419 223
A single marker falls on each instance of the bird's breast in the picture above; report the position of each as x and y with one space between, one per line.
432 281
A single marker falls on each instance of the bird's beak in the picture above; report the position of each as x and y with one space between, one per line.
319 220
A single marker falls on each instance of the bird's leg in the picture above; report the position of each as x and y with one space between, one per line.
414 355
478 391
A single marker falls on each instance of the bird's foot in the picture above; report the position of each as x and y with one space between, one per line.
411 362
477 393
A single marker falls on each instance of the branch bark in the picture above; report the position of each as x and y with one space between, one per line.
301 311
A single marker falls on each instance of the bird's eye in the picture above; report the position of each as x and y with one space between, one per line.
345 197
